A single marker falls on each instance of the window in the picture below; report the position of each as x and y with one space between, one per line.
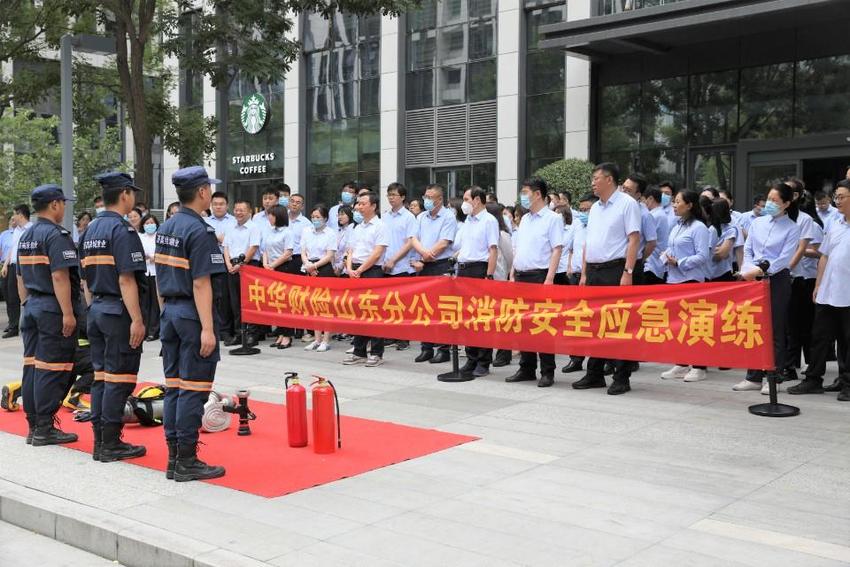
545 78
451 50
342 57
767 103
823 95
714 108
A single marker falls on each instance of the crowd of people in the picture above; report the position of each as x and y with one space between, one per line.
621 232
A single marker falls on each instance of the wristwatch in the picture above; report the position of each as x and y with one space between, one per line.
629 271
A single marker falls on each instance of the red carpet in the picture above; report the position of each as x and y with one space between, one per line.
263 463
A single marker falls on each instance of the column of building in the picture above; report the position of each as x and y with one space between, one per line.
577 95
392 69
510 22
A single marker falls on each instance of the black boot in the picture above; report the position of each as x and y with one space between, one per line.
189 467
113 448
31 422
807 386
47 434
98 441
172 459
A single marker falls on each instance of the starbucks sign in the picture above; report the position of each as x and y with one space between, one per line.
254 113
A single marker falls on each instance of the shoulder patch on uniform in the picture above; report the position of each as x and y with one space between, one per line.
137 257
130 228
69 254
217 258
63 231
211 229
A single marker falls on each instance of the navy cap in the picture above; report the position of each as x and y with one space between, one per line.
47 193
191 177
116 180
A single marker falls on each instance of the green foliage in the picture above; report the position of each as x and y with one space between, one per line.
36 157
570 175
190 136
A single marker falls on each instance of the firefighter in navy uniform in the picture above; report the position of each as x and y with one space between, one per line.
189 266
113 263
49 284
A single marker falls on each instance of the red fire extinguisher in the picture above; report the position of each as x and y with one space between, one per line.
324 399
296 410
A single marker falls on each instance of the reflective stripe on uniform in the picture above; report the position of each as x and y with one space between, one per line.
99 260
120 378
98 375
29 360
33 260
173 261
196 386
55 366
172 382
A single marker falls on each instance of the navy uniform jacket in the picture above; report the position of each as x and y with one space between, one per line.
110 247
186 249
44 248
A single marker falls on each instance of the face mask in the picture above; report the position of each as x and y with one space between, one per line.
283 201
99 210
582 217
771 209
466 208
358 217
347 198
508 219
758 212
552 206
127 218
318 223
666 200
429 204
150 228
525 200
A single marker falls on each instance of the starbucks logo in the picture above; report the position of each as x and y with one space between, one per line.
254 113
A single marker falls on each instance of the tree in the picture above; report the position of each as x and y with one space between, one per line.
26 30
248 35
33 156
570 175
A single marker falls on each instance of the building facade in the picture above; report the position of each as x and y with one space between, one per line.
730 93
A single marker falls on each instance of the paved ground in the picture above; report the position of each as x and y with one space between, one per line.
21 547
669 474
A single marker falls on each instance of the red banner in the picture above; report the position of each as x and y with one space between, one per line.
715 324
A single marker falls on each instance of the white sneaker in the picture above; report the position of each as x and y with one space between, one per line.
307 337
323 347
350 351
765 387
353 359
677 372
695 375
374 360
311 346
746 386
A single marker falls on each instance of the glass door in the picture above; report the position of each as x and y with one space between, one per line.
763 175
454 179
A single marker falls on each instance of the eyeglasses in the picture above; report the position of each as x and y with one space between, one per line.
839 198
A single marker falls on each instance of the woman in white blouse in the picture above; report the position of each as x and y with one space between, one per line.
277 251
318 249
149 299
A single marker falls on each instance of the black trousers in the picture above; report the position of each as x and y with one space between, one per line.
436 268
801 317
608 274
528 360
570 280
234 301
780 299
150 307
831 323
13 300
360 343
224 310
638 277
650 278
480 356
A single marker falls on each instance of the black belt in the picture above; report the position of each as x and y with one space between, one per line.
465 265
437 262
105 295
357 267
608 264
544 271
